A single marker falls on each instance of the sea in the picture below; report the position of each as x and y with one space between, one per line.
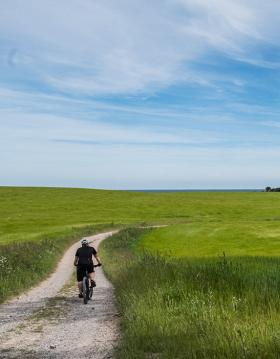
200 190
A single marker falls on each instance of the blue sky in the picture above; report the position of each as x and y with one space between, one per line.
140 94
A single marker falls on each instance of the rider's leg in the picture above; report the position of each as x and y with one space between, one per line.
91 277
80 286
80 273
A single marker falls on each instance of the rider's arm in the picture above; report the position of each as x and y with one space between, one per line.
97 258
76 260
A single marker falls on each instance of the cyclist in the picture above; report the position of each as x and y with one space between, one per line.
83 261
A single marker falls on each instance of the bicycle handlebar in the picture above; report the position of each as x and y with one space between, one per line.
94 266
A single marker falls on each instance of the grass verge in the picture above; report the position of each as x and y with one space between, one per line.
193 307
24 264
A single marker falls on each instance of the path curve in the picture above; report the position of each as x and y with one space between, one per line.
83 331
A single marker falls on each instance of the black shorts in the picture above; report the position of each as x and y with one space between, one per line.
81 270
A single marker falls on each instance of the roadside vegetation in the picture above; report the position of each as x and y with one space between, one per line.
180 306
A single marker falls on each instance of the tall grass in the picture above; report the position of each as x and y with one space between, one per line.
194 308
25 263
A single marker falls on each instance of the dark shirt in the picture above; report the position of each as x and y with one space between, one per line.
85 254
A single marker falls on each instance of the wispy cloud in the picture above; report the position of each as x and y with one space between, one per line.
166 91
104 47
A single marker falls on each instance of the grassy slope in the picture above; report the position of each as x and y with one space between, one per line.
212 239
45 214
193 307
27 213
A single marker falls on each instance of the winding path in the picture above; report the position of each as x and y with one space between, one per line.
50 321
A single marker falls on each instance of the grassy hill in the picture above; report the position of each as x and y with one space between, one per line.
41 222
27 213
213 239
182 297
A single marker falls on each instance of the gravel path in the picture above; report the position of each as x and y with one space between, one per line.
50 321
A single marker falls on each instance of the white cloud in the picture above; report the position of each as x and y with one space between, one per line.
109 47
37 128
57 51
93 154
275 124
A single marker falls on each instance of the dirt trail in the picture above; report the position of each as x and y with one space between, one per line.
50 321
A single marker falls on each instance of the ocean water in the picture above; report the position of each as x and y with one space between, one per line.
199 190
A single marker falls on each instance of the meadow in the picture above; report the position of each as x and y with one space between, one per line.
181 305
216 239
206 286
28 213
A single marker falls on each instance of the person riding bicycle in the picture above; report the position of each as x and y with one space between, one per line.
83 261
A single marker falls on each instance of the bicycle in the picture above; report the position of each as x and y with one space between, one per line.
87 288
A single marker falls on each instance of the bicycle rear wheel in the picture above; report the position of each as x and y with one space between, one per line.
85 289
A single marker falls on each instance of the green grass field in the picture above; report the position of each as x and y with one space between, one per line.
207 286
213 239
27 213
192 307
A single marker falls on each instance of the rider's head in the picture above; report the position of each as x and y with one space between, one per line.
84 242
